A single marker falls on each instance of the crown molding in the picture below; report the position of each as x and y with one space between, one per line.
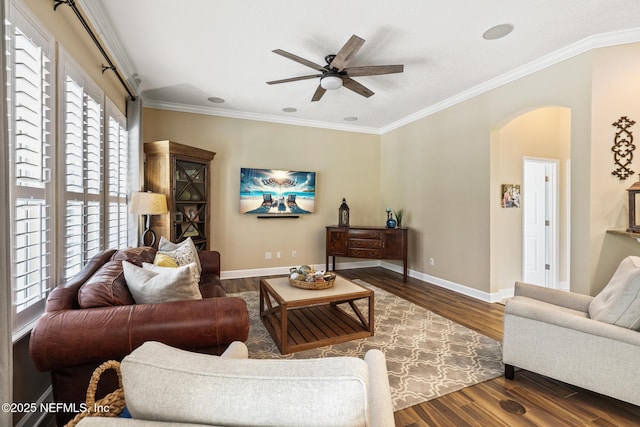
185 108
97 17
575 49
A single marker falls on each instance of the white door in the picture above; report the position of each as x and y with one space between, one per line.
539 245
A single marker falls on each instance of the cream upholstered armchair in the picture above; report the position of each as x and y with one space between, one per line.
590 342
166 386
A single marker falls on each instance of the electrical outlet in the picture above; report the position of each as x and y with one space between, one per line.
294 254
432 262
278 254
267 255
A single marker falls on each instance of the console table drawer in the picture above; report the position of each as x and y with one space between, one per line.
363 253
365 234
365 243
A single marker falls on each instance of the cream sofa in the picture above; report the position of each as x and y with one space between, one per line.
590 342
167 386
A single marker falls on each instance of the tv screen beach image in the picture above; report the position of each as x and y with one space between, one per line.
277 192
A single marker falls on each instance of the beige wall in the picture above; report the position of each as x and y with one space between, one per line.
346 163
438 169
616 93
445 173
543 133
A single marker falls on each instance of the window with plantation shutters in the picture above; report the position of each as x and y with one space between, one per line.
116 169
29 97
83 170
68 176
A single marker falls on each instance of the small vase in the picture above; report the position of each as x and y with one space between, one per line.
391 223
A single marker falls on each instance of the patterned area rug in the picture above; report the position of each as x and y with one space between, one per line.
427 355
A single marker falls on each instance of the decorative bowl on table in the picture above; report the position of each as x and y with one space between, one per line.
304 277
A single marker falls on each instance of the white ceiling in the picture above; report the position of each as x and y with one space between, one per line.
184 52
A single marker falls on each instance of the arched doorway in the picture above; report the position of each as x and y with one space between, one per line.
544 134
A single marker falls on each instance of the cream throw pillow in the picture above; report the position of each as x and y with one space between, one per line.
193 268
619 302
184 252
166 285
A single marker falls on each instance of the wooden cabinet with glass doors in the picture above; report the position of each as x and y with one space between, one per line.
181 173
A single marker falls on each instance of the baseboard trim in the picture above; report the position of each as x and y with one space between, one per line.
443 283
37 418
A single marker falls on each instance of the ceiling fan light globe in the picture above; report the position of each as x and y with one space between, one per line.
331 82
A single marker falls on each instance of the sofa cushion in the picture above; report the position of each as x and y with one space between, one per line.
207 389
166 284
107 286
619 302
184 252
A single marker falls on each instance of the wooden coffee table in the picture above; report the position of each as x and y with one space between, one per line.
300 319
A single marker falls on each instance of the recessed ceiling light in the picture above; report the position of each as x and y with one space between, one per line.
350 119
216 100
289 110
497 32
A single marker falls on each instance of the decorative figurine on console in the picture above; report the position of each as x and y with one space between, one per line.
343 214
391 223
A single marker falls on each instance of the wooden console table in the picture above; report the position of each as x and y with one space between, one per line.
367 242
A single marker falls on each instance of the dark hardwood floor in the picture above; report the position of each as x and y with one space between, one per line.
529 400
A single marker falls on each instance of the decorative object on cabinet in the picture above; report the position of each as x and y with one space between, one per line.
181 173
623 148
147 203
399 215
391 223
367 242
343 214
277 193
634 193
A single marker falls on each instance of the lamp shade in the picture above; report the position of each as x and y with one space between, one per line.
148 203
331 82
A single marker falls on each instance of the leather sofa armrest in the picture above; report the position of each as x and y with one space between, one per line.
210 261
74 337
570 300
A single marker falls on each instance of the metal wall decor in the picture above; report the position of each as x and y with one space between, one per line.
623 148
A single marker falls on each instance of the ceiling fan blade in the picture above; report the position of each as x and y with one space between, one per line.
350 48
318 93
373 70
300 60
294 79
356 87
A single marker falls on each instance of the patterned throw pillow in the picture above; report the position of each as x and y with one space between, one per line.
184 252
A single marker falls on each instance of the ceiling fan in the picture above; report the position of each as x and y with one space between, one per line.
336 74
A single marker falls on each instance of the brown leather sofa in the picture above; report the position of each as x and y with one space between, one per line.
93 318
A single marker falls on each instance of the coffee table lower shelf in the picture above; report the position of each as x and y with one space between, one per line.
312 327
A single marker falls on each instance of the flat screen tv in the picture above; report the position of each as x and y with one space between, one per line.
277 192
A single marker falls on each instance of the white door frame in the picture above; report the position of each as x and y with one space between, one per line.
551 215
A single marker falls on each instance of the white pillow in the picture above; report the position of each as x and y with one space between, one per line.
152 287
184 252
619 302
193 268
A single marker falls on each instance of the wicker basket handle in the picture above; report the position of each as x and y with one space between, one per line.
95 378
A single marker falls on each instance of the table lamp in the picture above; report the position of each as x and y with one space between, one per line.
147 203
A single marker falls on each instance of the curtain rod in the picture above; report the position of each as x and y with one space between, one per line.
72 5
